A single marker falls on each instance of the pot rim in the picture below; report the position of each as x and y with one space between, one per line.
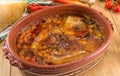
101 49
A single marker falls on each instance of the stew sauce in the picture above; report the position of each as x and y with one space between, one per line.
59 39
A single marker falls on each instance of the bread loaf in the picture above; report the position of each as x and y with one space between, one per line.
10 12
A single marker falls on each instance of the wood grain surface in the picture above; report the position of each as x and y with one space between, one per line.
109 66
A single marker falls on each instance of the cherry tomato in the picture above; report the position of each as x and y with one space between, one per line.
116 8
119 1
109 4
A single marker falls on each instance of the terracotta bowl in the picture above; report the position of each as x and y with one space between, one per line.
76 66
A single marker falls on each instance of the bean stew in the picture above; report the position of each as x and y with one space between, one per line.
59 39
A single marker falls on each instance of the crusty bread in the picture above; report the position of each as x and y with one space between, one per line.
10 12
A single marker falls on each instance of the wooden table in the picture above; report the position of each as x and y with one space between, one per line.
109 66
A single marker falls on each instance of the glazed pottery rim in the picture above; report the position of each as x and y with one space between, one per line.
19 59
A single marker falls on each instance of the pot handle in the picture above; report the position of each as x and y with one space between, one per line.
10 57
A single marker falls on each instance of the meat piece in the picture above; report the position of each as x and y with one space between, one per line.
51 39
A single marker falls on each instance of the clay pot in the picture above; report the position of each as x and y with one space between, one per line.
73 67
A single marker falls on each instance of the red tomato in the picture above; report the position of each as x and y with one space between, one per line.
116 8
119 1
109 4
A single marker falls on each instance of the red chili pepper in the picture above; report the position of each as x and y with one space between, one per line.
35 7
